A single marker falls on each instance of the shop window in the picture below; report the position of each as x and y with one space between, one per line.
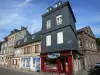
23 63
28 63
33 63
51 63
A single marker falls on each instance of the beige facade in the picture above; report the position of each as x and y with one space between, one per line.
14 36
30 50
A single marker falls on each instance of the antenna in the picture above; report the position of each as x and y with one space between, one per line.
34 30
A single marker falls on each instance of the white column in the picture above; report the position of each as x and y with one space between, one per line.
20 63
25 62
31 63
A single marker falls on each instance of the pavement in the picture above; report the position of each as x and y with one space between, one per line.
13 71
7 71
17 71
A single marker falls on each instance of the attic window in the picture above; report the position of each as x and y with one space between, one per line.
58 4
33 36
25 39
18 42
49 8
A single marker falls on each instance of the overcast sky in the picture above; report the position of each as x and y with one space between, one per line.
17 13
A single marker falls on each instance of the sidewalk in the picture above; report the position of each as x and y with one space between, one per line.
30 71
85 72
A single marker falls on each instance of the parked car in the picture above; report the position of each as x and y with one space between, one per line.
97 65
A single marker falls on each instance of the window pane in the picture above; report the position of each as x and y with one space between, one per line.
48 40
59 37
59 19
36 48
48 24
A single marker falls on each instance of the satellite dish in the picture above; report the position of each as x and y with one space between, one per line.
77 56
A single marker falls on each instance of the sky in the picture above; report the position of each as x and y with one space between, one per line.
17 13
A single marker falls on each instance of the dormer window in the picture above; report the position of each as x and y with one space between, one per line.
49 8
25 39
48 24
33 36
59 19
18 42
58 4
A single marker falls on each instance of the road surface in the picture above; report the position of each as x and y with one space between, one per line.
5 71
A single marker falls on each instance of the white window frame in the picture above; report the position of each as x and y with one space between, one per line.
60 38
33 36
48 24
59 19
48 40
79 43
25 39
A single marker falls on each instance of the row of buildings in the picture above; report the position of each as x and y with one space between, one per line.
58 47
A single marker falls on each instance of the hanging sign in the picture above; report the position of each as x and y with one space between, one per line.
53 55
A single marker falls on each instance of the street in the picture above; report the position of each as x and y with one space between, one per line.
4 71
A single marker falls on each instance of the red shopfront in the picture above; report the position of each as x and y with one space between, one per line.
61 64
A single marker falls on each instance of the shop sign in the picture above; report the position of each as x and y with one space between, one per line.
53 55
36 59
26 59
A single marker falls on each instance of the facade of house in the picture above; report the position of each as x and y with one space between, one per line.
58 47
14 36
0 45
59 39
4 50
27 52
88 48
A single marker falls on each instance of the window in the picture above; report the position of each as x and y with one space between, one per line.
33 36
48 40
60 37
79 43
36 48
18 42
86 44
29 49
59 19
25 39
48 24
25 50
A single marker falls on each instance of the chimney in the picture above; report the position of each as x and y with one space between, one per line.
49 8
5 38
23 28
58 4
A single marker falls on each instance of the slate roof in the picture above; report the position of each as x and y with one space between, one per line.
37 37
61 6
82 29
30 39
16 30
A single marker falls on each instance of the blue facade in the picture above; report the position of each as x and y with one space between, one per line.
26 61
68 27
